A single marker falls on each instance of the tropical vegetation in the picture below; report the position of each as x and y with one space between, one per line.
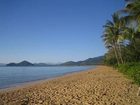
122 39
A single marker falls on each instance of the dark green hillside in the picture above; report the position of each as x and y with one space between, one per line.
89 61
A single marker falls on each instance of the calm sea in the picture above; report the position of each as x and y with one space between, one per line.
13 76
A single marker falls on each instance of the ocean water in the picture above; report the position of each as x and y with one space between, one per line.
13 76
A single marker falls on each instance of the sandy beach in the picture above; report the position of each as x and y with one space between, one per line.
99 86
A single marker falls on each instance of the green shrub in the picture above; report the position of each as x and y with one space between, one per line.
132 70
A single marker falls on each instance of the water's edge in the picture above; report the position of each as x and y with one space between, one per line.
33 82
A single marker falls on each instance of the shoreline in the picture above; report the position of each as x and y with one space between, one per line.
99 86
36 82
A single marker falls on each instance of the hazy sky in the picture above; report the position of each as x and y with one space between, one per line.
53 30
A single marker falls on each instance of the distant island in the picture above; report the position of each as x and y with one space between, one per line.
89 61
23 63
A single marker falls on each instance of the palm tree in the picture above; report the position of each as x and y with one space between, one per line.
110 41
130 34
111 35
132 11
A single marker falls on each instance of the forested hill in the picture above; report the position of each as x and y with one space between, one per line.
89 61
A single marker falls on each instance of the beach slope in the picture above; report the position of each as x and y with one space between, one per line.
100 86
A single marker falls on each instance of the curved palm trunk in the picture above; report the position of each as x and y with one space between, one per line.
120 54
116 55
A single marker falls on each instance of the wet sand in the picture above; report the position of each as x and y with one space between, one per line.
99 86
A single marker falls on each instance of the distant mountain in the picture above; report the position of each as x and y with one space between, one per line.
23 63
69 63
43 64
89 61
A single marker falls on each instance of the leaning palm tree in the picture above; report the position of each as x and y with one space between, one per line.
110 41
111 35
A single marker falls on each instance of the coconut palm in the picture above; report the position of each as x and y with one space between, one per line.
112 34
110 41
132 12
133 9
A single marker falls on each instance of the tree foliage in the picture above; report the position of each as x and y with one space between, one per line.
122 35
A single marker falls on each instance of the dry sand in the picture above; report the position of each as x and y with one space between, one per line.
100 86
